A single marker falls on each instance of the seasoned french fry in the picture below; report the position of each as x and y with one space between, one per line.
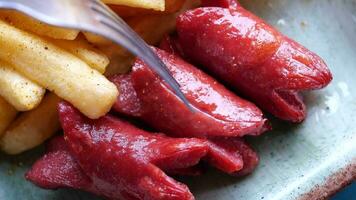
32 128
171 6
57 70
7 115
29 24
19 91
147 4
85 51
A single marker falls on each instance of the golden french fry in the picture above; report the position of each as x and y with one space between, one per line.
188 5
85 51
96 39
147 4
174 5
7 115
126 11
120 64
57 70
29 24
120 59
19 91
32 128
152 28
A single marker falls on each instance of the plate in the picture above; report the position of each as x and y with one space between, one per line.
311 160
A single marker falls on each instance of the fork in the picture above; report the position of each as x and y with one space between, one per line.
95 17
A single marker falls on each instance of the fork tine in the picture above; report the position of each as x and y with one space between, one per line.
142 50
105 8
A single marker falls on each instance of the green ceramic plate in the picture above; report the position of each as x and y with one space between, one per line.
310 160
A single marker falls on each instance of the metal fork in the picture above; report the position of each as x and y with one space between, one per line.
95 17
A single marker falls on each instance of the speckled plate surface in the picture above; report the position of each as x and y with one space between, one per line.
307 161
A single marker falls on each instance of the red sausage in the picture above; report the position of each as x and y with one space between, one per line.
124 162
58 169
231 155
127 102
233 147
171 45
229 160
218 112
248 54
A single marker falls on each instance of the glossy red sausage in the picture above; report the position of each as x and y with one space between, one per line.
223 157
127 102
227 150
248 54
58 169
231 155
218 112
124 162
226 157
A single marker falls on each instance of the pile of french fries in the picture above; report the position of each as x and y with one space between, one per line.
41 65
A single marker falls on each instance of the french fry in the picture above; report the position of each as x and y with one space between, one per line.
137 14
32 128
126 11
171 6
120 59
85 51
29 24
96 39
19 91
147 4
120 64
152 28
7 115
188 5
57 70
